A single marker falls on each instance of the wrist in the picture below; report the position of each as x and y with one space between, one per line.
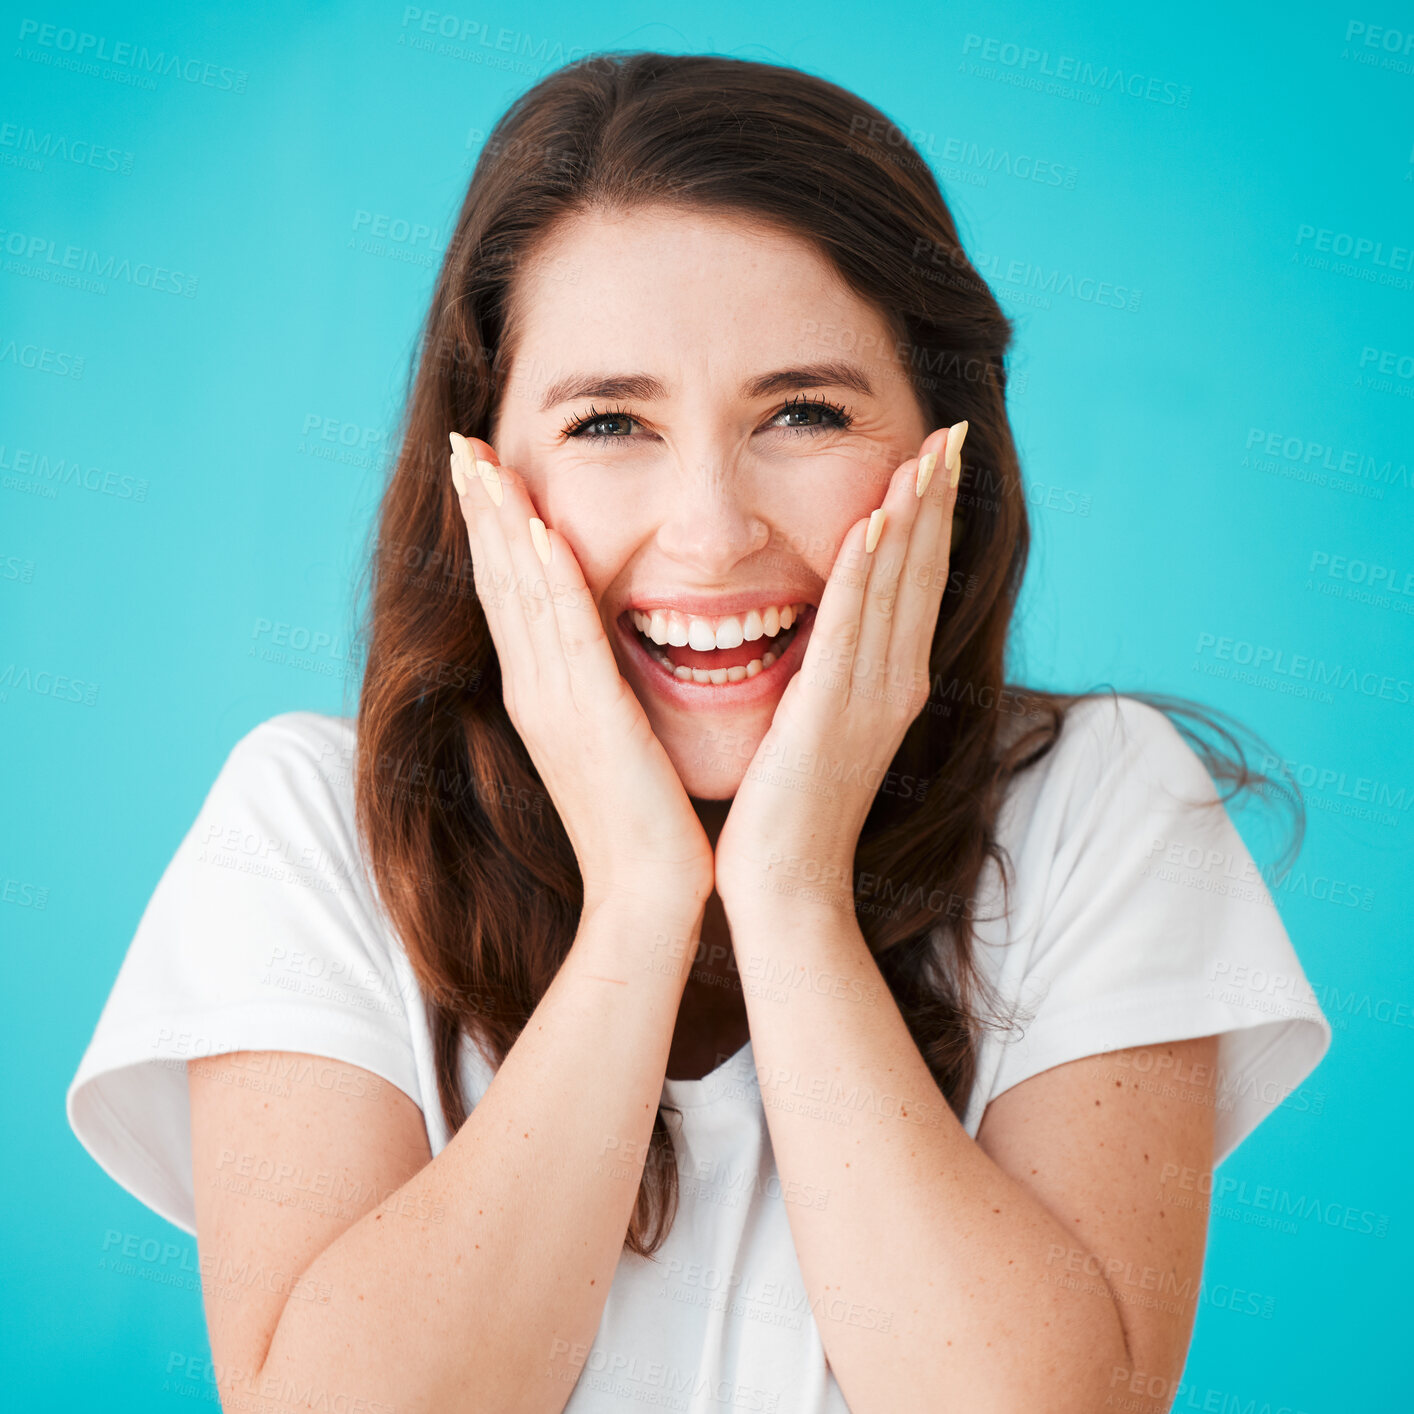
639 937
779 883
775 901
646 908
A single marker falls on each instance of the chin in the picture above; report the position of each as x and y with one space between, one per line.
708 767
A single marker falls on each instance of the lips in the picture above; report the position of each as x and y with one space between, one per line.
711 659
743 687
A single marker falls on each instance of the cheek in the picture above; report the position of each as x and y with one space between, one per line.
595 532
812 527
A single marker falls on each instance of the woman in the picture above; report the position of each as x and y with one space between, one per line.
700 979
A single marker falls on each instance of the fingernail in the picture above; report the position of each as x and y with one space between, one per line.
491 478
538 538
926 463
876 529
957 434
461 462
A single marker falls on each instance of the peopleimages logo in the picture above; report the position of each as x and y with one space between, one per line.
40 255
1344 243
53 472
1069 69
1308 453
1301 667
1379 47
41 359
90 50
461 37
1327 780
26 147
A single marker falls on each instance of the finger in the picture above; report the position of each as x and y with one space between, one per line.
504 579
593 669
576 664
828 664
491 574
925 574
879 670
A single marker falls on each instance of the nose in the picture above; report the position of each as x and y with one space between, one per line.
708 522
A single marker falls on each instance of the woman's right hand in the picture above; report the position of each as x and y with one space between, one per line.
628 817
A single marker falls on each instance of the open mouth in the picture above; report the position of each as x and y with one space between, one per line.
718 667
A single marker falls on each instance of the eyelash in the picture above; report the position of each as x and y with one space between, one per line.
842 418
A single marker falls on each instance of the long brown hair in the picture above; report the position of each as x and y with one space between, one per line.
469 854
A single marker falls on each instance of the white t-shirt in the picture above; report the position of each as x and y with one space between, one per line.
1133 921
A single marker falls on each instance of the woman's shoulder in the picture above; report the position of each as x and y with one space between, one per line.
284 798
316 737
1116 763
1136 899
262 934
1100 735
296 761
1113 721
1104 719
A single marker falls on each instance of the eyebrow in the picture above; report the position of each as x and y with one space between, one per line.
834 373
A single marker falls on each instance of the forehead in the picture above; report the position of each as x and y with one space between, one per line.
660 288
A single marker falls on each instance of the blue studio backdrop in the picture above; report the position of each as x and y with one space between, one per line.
219 228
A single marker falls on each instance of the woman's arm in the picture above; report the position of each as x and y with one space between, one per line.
472 1281
1040 1266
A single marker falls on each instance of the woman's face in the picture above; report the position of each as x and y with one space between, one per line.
702 409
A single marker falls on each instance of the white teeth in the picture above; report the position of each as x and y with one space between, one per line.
667 627
730 634
686 630
716 675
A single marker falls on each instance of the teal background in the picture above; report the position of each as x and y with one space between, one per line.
212 508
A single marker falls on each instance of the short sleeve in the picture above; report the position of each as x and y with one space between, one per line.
1156 925
262 935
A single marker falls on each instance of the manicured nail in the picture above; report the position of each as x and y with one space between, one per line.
491 479
538 538
458 475
461 462
952 459
876 529
926 463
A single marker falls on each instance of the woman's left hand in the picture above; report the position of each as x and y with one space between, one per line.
795 821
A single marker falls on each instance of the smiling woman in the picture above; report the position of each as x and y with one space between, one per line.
715 438
724 988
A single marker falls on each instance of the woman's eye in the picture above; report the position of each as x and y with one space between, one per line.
806 415
603 426
813 416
